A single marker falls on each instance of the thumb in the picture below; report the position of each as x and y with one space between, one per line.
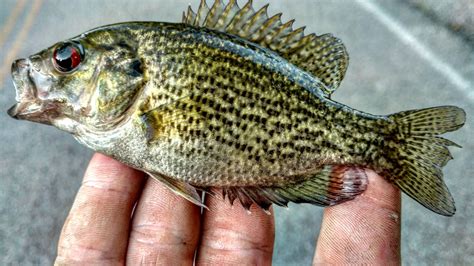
365 230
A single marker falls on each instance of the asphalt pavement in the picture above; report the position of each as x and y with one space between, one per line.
400 58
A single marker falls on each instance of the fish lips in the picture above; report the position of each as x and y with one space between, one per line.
32 111
28 106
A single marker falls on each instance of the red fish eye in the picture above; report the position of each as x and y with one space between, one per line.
67 57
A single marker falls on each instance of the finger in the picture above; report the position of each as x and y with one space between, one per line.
231 235
165 228
96 230
365 230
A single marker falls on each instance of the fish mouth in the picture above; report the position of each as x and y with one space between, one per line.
33 111
28 106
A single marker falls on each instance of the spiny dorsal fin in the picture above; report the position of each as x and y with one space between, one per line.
324 56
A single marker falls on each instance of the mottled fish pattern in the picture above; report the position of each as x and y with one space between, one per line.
234 99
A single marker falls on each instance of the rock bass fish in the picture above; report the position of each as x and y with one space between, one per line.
235 99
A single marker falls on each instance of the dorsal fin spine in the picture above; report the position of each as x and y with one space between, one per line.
211 18
255 21
201 14
266 27
242 15
226 16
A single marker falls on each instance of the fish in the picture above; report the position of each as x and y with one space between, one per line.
234 99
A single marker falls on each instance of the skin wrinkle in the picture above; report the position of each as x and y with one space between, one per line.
80 261
230 258
105 188
145 233
381 203
231 238
91 253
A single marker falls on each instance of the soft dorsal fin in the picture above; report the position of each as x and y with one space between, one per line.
324 56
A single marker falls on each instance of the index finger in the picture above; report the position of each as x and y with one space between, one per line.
363 230
96 230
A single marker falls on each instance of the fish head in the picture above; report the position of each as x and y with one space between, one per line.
88 81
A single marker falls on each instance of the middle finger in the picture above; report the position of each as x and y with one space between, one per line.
232 235
165 228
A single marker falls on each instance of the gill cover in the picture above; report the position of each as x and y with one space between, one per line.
119 76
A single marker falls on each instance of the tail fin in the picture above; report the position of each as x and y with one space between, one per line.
422 154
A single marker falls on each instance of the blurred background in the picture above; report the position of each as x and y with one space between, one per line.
404 54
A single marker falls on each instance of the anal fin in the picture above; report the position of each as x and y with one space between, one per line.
181 188
330 185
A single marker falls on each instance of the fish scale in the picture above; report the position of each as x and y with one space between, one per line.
235 99
287 102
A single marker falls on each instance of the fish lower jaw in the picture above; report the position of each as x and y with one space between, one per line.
25 110
66 124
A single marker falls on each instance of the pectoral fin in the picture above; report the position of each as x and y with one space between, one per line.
181 188
167 121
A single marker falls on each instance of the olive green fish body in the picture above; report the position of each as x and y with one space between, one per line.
257 119
232 98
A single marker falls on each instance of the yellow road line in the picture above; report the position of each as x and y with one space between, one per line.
7 28
19 40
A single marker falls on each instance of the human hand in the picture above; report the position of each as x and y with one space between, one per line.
104 227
